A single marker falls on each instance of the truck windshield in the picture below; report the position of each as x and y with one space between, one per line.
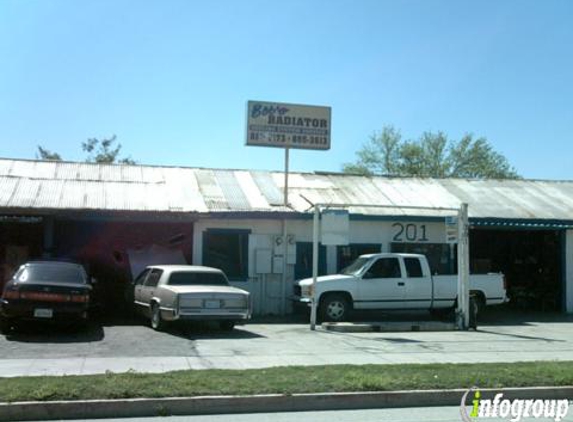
355 267
181 278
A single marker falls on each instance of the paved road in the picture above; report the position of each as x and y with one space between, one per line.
417 414
119 348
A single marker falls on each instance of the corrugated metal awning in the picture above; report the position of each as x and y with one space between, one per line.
43 186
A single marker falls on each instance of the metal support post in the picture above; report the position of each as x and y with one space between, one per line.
462 312
286 177
313 304
285 267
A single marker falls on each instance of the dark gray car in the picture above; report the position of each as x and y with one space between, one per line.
46 291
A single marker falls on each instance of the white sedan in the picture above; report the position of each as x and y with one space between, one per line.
168 293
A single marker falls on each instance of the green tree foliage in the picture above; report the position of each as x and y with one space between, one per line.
98 151
104 151
47 155
432 155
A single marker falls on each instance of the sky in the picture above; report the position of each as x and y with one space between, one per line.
171 79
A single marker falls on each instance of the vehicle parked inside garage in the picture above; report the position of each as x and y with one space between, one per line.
169 293
46 291
393 281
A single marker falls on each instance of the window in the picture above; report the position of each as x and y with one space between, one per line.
413 267
303 266
442 258
227 250
347 254
355 267
153 278
71 274
185 278
141 277
385 268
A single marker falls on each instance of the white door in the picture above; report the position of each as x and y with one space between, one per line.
418 285
382 286
138 285
149 286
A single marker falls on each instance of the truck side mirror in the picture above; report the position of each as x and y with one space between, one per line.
93 280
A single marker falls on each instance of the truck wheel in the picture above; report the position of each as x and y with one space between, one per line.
157 322
334 308
480 302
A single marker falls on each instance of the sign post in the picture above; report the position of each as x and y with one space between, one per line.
286 177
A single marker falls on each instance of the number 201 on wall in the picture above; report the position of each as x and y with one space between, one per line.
409 232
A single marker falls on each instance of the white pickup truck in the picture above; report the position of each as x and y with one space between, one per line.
394 281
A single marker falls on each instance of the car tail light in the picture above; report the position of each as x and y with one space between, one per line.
80 298
11 294
54 297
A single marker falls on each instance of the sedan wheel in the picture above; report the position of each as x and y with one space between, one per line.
157 322
4 325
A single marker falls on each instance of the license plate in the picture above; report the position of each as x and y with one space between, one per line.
43 313
212 304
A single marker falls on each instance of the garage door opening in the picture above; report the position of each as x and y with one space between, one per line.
20 241
115 252
530 261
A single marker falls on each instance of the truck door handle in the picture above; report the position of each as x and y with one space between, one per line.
401 283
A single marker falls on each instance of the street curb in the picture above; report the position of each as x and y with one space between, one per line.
93 409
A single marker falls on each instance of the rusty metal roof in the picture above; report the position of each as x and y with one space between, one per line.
43 186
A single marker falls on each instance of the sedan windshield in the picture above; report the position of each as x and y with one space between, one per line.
51 273
197 279
355 267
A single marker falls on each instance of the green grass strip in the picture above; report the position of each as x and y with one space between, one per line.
286 380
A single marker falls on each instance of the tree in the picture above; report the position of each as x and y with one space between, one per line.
99 151
104 151
47 155
432 155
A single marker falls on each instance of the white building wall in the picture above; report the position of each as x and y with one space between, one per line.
568 271
267 289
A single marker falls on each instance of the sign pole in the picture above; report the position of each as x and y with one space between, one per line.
286 176
285 239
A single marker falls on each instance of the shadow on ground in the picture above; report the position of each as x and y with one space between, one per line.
210 331
55 333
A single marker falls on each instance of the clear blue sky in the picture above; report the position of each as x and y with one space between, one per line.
171 78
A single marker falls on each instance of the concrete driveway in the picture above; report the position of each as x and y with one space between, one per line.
120 348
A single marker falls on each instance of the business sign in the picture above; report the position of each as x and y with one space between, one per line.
288 125
335 227
451 229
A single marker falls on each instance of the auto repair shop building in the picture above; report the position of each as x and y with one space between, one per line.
115 219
